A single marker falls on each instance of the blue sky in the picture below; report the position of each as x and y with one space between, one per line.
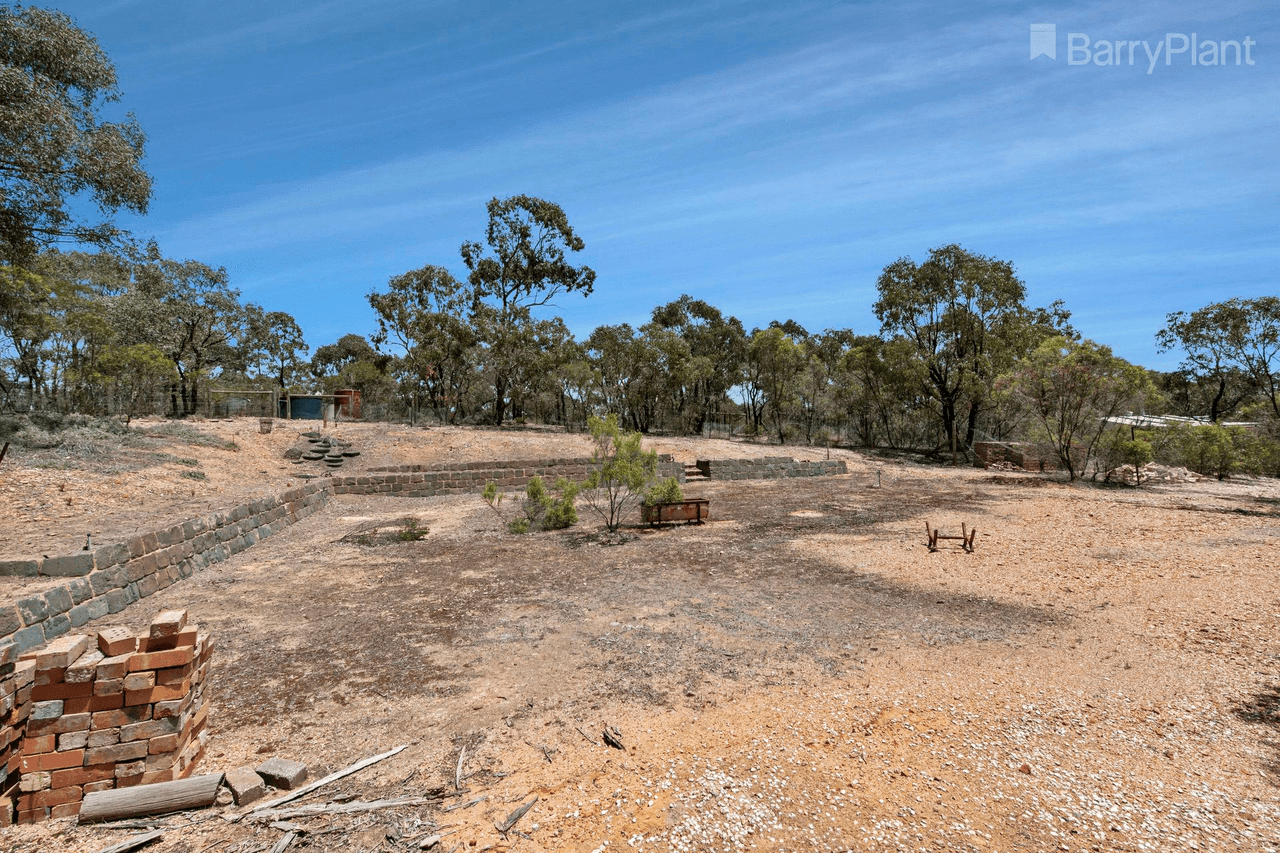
768 158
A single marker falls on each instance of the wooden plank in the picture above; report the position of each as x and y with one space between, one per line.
332 777
160 798
133 843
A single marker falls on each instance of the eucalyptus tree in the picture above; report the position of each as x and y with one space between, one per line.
965 318
1233 349
59 158
522 264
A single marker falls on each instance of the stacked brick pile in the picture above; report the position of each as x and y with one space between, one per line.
124 710
15 709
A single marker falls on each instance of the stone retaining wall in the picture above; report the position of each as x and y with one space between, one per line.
769 468
455 477
112 577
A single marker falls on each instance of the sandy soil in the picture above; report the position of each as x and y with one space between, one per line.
799 674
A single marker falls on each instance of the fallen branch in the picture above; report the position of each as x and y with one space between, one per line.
339 808
585 736
130 843
283 844
515 816
332 777
457 776
4 450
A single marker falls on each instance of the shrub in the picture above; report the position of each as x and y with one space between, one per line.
622 471
540 509
666 492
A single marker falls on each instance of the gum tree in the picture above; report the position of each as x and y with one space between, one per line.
522 264
55 146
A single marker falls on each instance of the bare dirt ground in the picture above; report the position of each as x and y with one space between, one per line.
1103 673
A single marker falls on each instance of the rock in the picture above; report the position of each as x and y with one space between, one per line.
1026 768
224 797
282 773
245 785
296 451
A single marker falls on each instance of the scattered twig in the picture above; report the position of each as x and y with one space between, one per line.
332 777
515 816
467 804
585 736
457 776
283 844
208 847
130 843
4 450
546 752
339 808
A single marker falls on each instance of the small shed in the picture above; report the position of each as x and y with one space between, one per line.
347 401
311 407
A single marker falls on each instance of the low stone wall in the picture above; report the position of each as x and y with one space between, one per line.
458 477
769 468
111 711
113 577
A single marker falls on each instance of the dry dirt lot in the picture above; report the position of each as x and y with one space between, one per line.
1103 673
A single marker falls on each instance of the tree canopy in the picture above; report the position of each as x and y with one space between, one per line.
54 143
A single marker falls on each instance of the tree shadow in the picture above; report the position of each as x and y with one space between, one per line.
1263 708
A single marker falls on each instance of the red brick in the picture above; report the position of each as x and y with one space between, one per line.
37 745
62 725
83 775
85 668
162 744
108 687
161 660
115 753
92 704
33 816
64 810
168 623
49 676
139 681
157 776
114 667
62 652
188 636
128 781
121 717
45 692
94 787
149 729
53 760
116 641
103 737
48 799
157 694
173 675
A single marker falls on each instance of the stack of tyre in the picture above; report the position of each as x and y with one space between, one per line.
332 451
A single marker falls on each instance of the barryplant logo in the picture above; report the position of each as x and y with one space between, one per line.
1191 49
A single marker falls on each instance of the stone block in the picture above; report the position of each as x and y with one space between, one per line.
82 614
57 600
56 626
10 621
20 568
29 638
71 566
282 773
34 610
110 555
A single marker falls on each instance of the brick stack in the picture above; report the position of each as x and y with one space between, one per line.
126 710
15 709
